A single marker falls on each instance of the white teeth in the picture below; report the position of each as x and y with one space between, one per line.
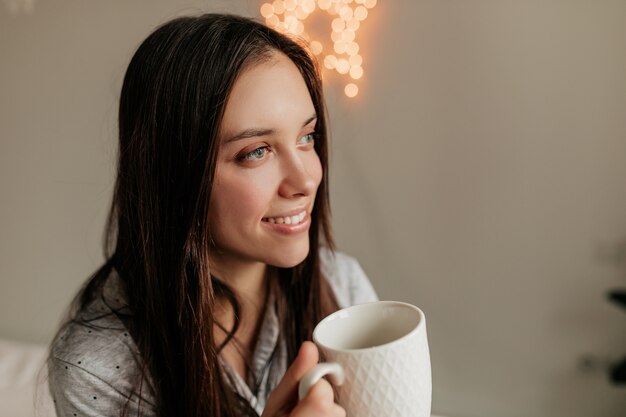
288 219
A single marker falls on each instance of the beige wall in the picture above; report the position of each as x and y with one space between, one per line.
480 175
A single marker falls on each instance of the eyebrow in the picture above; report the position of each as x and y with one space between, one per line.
256 132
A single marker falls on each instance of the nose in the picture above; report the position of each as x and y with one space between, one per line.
301 174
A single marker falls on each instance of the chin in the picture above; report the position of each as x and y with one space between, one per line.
290 258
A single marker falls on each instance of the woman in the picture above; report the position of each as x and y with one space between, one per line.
215 274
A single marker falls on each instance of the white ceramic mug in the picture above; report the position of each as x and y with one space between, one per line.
378 359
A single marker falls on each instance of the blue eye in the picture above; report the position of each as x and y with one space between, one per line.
258 153
306 139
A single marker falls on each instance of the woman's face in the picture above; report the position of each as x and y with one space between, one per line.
267 171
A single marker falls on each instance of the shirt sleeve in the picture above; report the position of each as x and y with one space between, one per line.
94 370
78 392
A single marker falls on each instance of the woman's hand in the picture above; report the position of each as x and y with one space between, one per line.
319 402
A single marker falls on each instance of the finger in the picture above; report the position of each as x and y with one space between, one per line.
318 402
320 393
334 410
285 394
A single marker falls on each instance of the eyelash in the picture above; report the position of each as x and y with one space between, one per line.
250 156
312 135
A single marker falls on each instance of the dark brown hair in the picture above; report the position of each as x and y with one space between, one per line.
158 236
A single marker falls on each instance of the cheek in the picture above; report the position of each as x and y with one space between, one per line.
314 167
237 199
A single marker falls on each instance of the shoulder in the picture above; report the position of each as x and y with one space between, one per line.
347 279
94 367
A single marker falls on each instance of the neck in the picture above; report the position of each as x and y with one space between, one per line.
246 279
249 281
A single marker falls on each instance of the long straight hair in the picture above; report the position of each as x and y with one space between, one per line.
158 234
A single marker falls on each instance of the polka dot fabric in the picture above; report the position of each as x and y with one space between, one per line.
94 364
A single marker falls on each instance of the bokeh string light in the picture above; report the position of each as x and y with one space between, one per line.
288 16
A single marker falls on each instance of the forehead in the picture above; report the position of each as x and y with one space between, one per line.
270 94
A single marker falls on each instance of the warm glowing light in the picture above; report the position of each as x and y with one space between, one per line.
316 47
353 24
346 13
356 72
301 13
352 48
355 60
324 4
340 47
291 21
338 25
360 13
330 61
289 16
351 90
308 6
347 36
343 66
272 21
299 29
279 6
267 10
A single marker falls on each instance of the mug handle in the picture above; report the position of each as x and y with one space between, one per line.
332 369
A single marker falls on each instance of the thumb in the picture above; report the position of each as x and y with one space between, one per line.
285 395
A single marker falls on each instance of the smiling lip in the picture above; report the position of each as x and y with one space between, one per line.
291 223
